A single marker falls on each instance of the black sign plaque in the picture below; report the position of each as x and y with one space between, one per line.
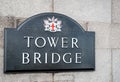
48 42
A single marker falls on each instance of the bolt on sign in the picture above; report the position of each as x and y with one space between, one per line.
48 42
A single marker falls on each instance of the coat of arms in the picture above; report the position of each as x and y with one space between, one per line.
52 24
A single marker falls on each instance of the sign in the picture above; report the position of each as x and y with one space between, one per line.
48 42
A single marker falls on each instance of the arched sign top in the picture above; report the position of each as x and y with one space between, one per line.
52 22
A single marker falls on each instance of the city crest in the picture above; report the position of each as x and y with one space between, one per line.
52 24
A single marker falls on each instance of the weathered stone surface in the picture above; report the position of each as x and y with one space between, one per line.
24 8
116 64
6 21
116 11
115 36
26 77
102 31
1 40
1 64
1 79
87 10
42 77
16 78
63 77
101 74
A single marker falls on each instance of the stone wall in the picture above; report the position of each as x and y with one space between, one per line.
101 16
